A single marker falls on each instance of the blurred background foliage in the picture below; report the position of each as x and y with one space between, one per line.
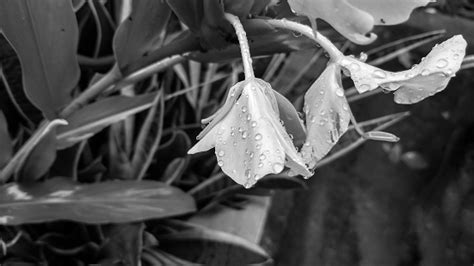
409 203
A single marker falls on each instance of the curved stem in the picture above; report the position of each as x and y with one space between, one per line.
243 43
325 43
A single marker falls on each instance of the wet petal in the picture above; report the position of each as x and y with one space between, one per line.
327 115
249 140
389 12
355 18
290 118
421 81
348 20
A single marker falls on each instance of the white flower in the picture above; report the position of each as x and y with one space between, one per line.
249 140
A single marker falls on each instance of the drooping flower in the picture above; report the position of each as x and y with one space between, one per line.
326 108
421 81
249 139
327 115
355 19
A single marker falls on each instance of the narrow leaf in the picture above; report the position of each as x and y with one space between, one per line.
142 31
6 146
106 202
44 35
94 117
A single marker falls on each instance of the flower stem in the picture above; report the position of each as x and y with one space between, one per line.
325 43
244 45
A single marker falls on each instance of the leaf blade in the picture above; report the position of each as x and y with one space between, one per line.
44 35
106 202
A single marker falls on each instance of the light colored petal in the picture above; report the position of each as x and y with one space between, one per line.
389 12
327 115
291 120
249 140
429 77
348 20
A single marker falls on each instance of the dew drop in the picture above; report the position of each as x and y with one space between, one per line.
262 157
220 163
354 67
442 63
379 74
340 92
244 134
253 123
258 136
249 117
251 155
260 165
235 144
244 109
321 92
277 168
221 153
425 72
345 107
258 146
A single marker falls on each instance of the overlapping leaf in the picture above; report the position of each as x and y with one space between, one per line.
355 18
94 117
142 31
106 202
327 115
411 86
6 146
44 35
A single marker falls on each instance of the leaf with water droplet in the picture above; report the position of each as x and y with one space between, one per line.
355 18
429 77
328 120
240 154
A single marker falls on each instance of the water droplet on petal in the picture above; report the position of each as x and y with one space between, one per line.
244 109
379 74
425 72
262 157
340 92
221 153
354 67
249 117
260 165
277 168
253 123
442 63
345 107
244 134
220 163
258 136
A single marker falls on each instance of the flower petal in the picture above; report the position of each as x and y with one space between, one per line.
249 140
429 77
348 20
291 119
389 12
327 115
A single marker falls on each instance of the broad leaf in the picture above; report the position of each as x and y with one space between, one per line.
44 35
142 31
6 146
94 117
327 115
211 247
421 81
355 18
106 202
